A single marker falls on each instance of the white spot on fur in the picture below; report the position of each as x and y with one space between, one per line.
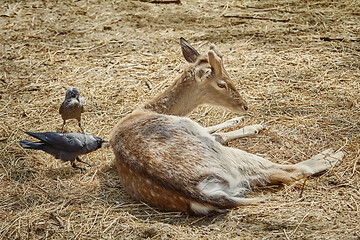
213 187
199 208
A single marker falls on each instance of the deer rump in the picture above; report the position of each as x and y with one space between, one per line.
178 155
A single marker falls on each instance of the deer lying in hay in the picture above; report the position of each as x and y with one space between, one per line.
173 163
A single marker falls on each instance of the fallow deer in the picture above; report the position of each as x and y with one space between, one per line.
173 163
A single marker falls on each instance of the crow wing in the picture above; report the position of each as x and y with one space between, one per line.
66 142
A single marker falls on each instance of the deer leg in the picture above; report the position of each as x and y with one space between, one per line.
290 173
228 123
223 138
323 161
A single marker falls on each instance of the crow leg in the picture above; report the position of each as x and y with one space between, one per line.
81 127
77 167
79 160
62 129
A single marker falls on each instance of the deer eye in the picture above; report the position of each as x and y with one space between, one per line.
221 84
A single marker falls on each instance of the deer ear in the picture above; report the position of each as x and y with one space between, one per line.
215 62
189 53
213 47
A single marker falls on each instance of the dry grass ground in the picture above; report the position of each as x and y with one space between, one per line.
296 62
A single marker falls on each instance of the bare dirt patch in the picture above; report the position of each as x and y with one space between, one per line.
297 64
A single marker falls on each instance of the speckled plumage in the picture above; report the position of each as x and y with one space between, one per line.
72 107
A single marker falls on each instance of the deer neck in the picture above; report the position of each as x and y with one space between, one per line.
178 99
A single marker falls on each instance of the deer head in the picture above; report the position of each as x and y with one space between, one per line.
211 78
205 81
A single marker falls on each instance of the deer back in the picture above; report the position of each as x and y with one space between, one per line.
173 163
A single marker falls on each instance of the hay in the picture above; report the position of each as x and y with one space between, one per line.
300 77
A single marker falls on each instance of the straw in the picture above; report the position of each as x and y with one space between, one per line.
297 63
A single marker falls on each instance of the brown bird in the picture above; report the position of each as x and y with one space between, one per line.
72 107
